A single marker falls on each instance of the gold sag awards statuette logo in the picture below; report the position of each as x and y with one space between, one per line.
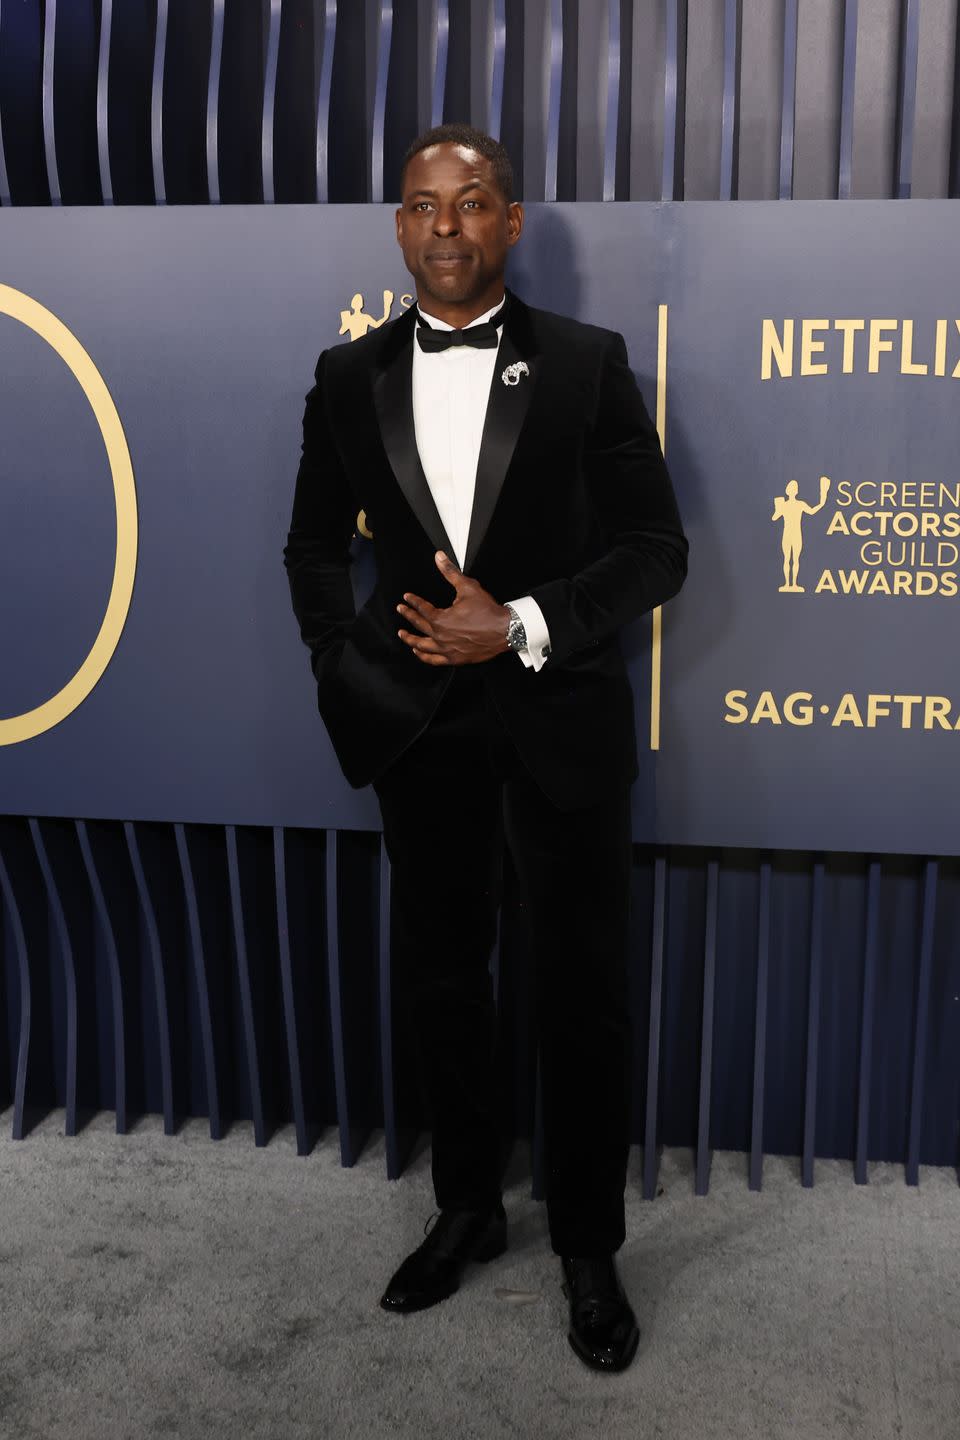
355 323
44 323
790 512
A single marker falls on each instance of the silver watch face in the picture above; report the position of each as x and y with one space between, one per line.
516 634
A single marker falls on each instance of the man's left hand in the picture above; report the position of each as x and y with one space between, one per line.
472 629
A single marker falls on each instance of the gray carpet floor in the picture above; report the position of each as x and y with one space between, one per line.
154 1286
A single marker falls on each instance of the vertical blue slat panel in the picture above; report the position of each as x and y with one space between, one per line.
49 130
23 1035
387 1059
155 950
789 98
287 991
347 1153
323 101
611 131
813 1024
269 102
731 96
704 1153
384 42
674 80
109 942
658 937
103 101
848 80
907 107
921 1024
4 182
246 989
69 972
440 64
867 1021
156 103
213 104
495 109
198 964
553 100
760 1029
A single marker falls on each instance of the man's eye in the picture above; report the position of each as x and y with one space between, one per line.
471 202
422 205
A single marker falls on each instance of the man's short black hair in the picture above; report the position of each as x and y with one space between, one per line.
485 145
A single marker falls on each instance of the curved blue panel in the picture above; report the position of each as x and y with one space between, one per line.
871 945
921 1026
613 103
113 960
813 1023
159 984
440 64
269 101
49 131
760 1029
553 100
23 1042
103 101
213 104
156 103
846 99
704 1153
788 106
246 990
907 108
731 75
384 42
323 101
650 1160
495 116
286 986
69 972
199 965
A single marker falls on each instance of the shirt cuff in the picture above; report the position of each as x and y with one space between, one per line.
538 636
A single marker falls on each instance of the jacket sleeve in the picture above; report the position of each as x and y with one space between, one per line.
645 561
317 553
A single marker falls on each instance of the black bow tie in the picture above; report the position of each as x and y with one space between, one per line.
481 337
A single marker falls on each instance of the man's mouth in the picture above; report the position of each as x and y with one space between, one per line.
446 257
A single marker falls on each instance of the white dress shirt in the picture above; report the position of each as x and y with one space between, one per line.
450 392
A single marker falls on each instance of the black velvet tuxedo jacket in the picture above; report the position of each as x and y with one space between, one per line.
573 505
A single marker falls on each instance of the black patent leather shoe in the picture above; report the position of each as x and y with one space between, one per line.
603 1328
432 1271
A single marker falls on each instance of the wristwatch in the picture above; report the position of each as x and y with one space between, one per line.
516 634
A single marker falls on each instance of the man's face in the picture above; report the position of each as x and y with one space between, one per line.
454 225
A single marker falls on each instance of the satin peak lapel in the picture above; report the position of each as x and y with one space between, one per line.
393 399
507 408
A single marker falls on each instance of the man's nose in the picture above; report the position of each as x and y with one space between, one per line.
447 220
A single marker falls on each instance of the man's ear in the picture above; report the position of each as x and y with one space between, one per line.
399 220
514 221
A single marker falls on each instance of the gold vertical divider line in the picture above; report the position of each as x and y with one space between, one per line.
657 638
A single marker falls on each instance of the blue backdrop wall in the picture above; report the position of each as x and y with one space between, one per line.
193 950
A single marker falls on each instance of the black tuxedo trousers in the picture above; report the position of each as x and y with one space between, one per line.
449 804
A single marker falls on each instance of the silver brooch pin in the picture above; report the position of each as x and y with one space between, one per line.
511 376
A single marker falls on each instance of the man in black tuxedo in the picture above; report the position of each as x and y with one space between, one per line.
521 513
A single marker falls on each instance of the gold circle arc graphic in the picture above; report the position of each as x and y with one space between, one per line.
44 323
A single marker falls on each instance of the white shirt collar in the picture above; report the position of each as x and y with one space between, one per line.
437 324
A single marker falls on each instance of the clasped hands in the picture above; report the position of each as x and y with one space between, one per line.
471 629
